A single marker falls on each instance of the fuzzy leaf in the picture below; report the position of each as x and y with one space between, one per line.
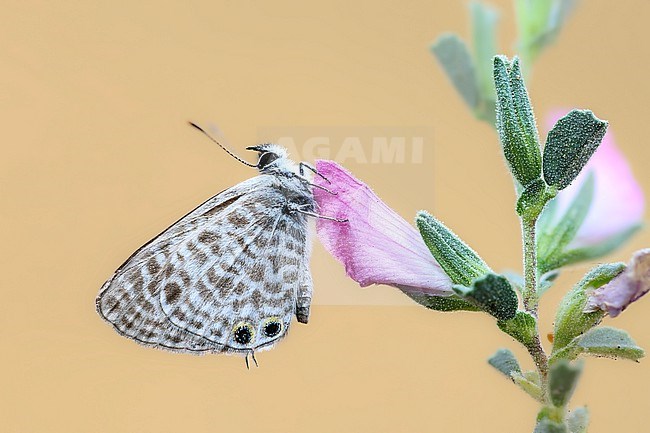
533 198
545 425
528 384
546 282
484 19
547 218
455 59
555 238
516 122
578 420
443 303
494 294
610 342
592 252
505 361
539 22
458 260
523 327
570 320
563 379
569 145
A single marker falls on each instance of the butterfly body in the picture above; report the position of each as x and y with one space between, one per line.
226 278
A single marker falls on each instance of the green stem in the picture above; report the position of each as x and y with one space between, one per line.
531 298
530 266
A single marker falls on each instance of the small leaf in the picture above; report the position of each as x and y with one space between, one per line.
505 361
570 320
442 303
539 23
516 122
458 260
546 282
555 237
592 252
523 327
533 198
484 19
547 426
529 386
563 379
610 342
455 59
547 218
578 420
494 294
569 145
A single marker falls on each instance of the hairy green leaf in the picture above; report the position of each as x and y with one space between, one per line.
563 379
522 327
444 304
505 361
610 342
458 260
545 425
539 22
578 420
455 59
528 384
533 198
570 320
516 122
569 145
555 237
591 252
484 20
494 294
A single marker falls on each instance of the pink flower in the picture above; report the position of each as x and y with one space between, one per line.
618 201
375 245
625 288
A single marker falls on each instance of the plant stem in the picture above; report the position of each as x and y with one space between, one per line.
531 298
530 266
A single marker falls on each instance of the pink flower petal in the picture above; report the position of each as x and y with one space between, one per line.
375 245
625 288
618 200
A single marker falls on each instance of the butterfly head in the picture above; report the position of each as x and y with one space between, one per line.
270 157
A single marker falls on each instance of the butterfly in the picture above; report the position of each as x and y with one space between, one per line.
229 276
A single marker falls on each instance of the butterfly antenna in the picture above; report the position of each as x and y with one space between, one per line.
222 146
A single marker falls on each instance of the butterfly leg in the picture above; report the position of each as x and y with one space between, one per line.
303 165
252 354
300 209
308 182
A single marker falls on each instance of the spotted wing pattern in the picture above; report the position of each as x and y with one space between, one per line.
225 278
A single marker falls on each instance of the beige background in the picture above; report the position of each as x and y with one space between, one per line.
97 158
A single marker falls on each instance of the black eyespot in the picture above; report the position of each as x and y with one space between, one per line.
243 333
272 328
266 159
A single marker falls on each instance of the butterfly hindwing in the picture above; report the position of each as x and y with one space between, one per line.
224 278
251 285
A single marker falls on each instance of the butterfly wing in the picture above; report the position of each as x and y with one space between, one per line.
244 299
213 281
129 300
